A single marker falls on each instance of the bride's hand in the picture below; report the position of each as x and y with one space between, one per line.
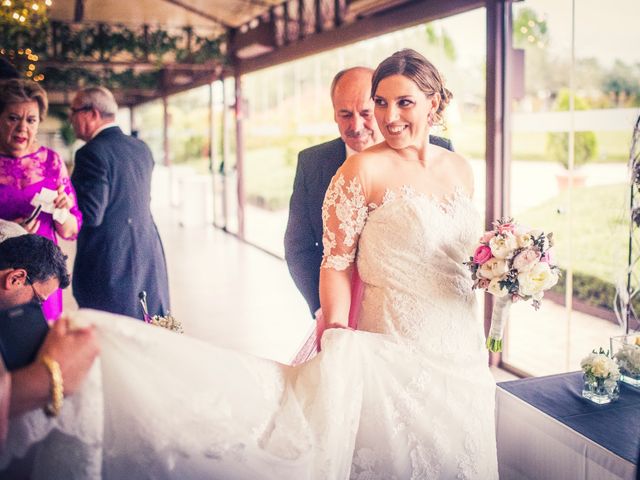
338 325
324 327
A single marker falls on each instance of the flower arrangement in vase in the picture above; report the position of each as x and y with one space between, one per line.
600 375
627 356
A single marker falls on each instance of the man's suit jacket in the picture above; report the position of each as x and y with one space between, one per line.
119 251
303 238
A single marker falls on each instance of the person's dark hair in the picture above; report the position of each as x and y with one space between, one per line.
18 90
414 66
7 70
39 256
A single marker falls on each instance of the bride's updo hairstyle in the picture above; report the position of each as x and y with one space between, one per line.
411 64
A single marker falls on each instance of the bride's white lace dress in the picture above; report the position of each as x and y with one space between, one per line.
407 396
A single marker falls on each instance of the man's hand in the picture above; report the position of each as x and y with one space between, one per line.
75 351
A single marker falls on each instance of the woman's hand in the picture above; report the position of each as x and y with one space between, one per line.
30 227
62 200
69 227
338 325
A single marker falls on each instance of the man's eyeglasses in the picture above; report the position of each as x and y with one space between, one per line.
84 108
39 299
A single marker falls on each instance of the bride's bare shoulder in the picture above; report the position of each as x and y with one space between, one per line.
457 167
364 163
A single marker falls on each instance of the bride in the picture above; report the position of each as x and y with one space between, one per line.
406 396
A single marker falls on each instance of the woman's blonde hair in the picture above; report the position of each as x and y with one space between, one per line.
18 90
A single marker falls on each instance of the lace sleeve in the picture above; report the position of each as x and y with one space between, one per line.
344 213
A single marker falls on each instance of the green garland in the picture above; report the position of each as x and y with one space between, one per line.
66 44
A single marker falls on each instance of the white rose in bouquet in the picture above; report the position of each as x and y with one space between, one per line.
493 268
538 279
503 245
526 259
494 288
525 240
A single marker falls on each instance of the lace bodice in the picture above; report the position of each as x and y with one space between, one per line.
32 168
410 251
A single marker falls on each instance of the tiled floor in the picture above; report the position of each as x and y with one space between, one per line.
229 293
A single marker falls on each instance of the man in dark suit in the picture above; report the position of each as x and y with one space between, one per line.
119 250
353 113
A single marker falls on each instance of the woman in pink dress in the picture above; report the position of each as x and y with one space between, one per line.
33 174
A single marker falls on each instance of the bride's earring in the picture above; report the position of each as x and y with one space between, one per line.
430 119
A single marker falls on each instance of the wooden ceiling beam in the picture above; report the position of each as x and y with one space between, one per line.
89 64
200 13
409 14
78 11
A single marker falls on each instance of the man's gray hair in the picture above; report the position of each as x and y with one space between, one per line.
341 74
99 98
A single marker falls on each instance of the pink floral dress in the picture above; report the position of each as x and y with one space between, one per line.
22 178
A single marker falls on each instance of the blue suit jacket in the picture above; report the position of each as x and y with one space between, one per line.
119 251
303 238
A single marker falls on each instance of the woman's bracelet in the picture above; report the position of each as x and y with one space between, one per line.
53 408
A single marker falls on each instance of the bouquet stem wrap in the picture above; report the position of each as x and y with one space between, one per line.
499 317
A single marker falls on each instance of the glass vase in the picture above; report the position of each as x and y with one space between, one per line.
626 352
600 390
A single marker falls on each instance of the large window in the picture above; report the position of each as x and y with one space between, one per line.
575 100
289 109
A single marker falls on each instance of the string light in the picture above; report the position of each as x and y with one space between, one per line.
25 12
28 14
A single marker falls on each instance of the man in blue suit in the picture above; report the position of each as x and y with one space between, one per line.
353 113
119 250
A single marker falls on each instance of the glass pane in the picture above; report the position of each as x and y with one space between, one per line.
289 109
148 123
579 193
229 170
189 143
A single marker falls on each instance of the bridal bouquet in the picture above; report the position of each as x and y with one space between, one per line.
513 263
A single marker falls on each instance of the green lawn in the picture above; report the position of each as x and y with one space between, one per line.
269 175
596 230
611 146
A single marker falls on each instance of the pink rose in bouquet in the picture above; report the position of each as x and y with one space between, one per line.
482 254
512 263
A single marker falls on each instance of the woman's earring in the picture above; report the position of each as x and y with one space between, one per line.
430 119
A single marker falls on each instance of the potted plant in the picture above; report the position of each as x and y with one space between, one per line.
585 145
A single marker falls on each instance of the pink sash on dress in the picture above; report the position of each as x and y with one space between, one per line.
311 346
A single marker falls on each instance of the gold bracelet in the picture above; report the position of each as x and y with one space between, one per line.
52 409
